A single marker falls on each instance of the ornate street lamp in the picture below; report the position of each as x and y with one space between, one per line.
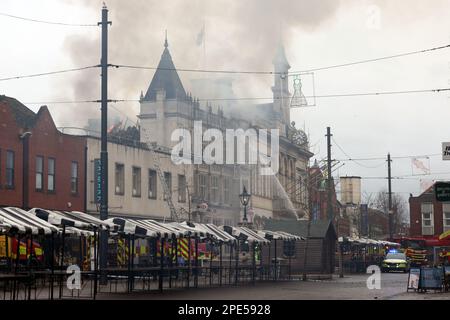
245 198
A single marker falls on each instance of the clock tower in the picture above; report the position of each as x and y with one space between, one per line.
280 89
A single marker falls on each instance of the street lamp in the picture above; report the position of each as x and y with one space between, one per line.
245 198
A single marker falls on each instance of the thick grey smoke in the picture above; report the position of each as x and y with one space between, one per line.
239 35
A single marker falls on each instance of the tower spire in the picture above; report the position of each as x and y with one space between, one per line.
166 44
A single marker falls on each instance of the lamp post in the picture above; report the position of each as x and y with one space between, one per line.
245 198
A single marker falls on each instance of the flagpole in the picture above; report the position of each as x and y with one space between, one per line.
204 43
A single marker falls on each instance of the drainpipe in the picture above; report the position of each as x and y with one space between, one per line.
25 137
85 177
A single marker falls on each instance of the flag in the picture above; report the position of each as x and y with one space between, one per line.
425 185
423 169
201 36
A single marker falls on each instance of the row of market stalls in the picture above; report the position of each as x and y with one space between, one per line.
359 253
143 254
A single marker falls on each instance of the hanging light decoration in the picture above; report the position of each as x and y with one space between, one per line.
298 99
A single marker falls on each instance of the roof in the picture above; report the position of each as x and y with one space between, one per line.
299 228
429 190
24 117
165 77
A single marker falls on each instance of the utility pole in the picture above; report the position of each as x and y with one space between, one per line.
390 196
104 141
330 178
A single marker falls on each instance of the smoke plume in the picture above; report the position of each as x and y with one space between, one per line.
239 35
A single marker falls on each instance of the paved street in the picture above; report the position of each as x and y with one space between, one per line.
393 287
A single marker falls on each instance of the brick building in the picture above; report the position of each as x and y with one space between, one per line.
39 166
319 201
378 224
428 217
319 194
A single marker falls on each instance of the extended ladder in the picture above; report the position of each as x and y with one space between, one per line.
167 192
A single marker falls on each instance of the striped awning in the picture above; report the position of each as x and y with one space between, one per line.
3 225
164 229
192 229
219 234
92 220
79 232
59 218
133 227
25 222
279 235
243 233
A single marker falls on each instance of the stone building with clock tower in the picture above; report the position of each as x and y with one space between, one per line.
214 189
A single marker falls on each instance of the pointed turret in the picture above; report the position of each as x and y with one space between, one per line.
166 78
280 89
280 61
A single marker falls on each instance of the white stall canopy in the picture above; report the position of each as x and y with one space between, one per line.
26 222
59 218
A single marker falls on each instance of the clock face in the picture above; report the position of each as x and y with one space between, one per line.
300 138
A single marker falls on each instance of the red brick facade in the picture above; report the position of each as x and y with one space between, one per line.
319 200
415 213
378 224
47 142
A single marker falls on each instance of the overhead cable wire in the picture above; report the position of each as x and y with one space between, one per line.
272 98
282 73
48 73
360 164
196 70
372 60
400 157
240 71
48 22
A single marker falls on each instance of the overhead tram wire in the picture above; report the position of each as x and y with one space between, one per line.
359 164
371 60
268 98
197 70
247 72
282 73
243 71
400 157
48 73
47 22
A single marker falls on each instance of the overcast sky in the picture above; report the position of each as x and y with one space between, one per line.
242 35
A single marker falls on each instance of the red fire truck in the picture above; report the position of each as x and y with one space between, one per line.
420 250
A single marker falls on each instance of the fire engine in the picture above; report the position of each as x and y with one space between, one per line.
419 250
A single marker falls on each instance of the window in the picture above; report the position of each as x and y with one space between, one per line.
39 173
136 192
446 217
214 189
427 219
202 186
74 177
120 179
9 169
168 179
51 175
152 184
181 188
226 190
